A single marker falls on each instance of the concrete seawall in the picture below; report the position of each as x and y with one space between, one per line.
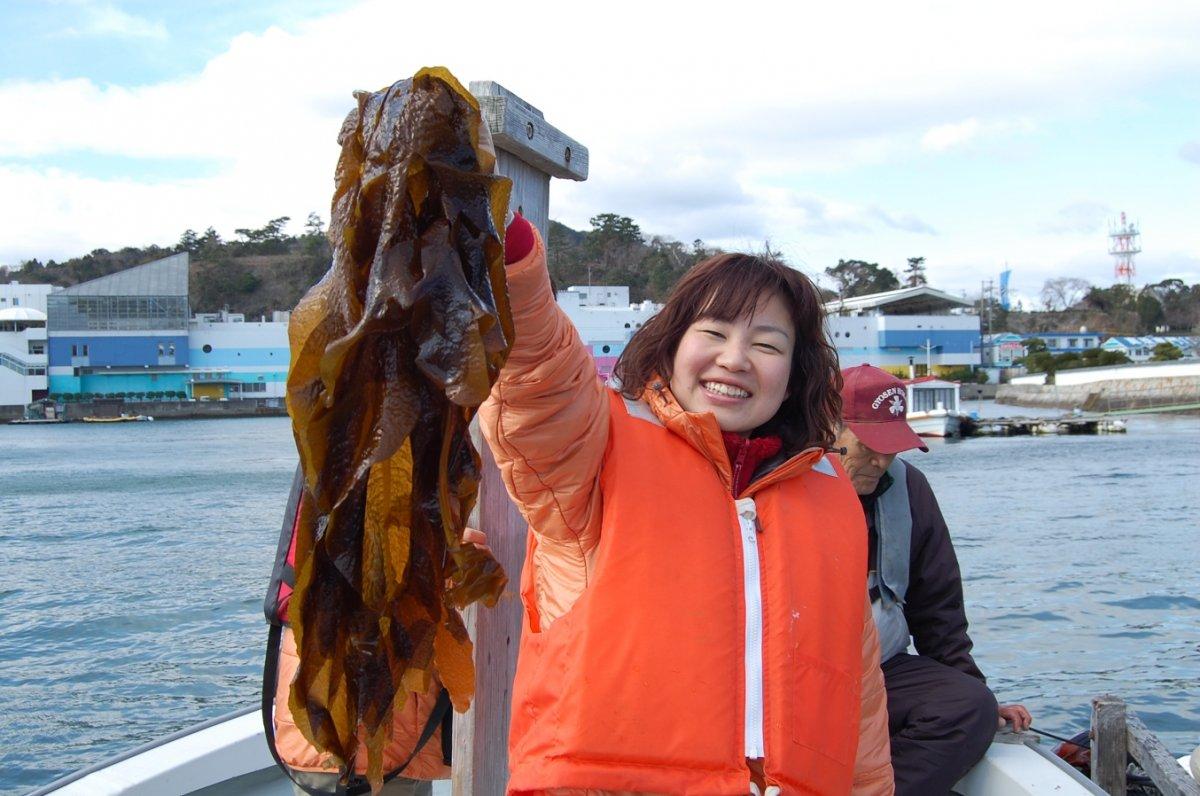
1101 396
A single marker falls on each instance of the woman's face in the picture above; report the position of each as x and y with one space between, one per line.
738 370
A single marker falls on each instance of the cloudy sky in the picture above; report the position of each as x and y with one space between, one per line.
972 134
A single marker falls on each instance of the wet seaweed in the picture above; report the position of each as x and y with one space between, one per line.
391 354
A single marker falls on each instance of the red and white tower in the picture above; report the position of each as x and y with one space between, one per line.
1124 242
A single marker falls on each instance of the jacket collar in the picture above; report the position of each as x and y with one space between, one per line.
701 431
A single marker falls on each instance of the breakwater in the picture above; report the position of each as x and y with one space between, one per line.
1104 396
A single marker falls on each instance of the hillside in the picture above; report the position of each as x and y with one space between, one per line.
265 270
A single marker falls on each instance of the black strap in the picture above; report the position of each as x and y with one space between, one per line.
440 715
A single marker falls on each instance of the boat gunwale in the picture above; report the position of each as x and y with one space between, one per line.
75 776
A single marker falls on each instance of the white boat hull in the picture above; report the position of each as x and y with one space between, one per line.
937 423
229 756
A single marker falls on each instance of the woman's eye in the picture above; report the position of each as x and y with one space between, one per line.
713 333
768 347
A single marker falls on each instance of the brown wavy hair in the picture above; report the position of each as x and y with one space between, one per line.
732 286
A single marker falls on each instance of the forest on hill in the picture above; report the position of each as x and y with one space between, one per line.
264 269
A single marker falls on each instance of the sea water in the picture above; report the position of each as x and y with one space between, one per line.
134 560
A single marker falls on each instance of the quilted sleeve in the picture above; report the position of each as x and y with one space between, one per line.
546 423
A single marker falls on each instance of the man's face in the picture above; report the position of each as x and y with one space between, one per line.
864 466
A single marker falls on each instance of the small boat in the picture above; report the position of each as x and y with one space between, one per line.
35 421
229 755
119 419
933 407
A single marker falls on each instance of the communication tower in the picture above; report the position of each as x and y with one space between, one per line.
1124 242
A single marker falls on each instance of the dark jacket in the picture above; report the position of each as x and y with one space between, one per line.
933 606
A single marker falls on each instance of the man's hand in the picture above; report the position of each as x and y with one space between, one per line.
1016 715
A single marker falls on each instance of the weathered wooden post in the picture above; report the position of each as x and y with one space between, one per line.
529 152
1109 745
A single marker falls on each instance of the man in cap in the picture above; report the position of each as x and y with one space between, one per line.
941 714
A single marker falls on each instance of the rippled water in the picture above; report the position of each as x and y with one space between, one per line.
135 557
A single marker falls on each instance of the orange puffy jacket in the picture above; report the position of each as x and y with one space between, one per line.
672 631
295 750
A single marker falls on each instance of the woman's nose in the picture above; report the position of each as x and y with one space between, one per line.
733 356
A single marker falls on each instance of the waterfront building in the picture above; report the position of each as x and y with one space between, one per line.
122 333
605 319
921 328
1141 349
1002 349
231 358
1067 342
22 355
33 296
129 333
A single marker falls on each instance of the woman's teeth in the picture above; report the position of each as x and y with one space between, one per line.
725 389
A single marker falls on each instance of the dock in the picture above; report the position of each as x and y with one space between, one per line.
1037 426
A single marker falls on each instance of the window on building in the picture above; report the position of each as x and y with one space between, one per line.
171 350
16 302
605 349
206 348
161 351
85 349
74 350
1073 342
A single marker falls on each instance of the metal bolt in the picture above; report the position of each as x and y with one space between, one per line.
529 130
567 154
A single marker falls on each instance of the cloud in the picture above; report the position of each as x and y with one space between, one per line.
104 19
1190 152
945 136
1079 218
730 143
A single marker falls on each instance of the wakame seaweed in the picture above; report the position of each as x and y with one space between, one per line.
391 354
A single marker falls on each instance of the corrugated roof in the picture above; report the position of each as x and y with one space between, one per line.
906 300
165 277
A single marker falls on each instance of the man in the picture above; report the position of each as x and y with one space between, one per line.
941 715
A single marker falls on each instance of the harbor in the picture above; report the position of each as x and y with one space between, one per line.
1067 590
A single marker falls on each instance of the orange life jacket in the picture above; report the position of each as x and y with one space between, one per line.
711 630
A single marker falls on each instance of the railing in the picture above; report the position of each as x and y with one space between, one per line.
21 367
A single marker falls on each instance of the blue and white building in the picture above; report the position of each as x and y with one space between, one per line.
1068 342
918 327
605 319
130 333
1140 349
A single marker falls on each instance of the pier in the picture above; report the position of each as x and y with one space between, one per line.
1038 426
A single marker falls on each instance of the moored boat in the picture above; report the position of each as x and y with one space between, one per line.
933 407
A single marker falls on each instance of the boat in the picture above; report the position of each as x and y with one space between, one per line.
933 407
229 755
119 419
36 421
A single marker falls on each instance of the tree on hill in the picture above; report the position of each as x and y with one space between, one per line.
1063 293
860 278
914 275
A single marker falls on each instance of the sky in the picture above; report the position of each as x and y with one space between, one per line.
979 136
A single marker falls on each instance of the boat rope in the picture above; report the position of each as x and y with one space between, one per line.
1057 737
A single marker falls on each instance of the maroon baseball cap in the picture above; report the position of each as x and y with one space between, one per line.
874 407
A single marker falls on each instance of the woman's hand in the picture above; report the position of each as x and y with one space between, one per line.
477 538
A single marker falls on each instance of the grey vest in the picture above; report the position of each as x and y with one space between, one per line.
889 572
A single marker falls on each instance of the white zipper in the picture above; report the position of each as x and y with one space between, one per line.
748 530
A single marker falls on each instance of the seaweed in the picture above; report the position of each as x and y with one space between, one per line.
392 352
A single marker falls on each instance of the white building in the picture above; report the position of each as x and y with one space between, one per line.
920 326
605 319
22 355
230 357
15 294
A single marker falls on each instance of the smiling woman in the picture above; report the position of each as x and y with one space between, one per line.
742 336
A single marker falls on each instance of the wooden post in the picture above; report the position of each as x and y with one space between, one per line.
1109 744
1158 763
529 152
